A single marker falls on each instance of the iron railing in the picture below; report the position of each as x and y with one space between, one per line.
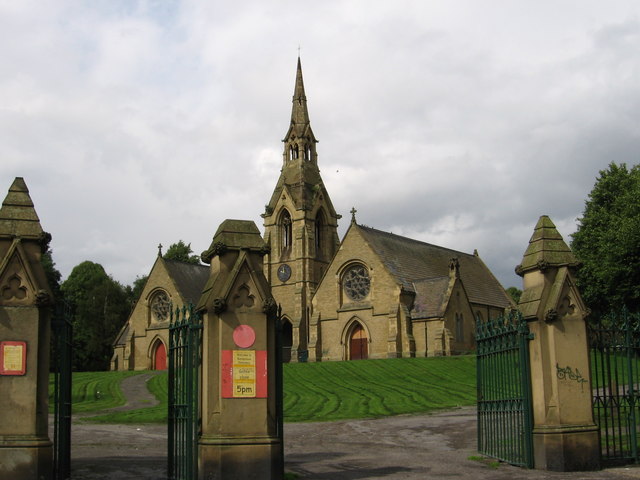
62 336
185 334
615 379
505 418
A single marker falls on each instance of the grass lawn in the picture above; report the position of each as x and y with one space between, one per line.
94 391
375 388
158 414
337 390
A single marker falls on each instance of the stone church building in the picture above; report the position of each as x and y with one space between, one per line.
143 341
373 295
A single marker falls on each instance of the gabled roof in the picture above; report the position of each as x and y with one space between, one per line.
188 278
411 261
431 298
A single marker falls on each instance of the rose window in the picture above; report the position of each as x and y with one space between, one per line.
161 306
356 283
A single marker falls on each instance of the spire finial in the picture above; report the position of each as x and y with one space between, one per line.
353 214
159 249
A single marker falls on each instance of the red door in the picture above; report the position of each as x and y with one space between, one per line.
160 360
358 344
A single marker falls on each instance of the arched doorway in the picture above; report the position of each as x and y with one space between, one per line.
358 343
287 340
160 356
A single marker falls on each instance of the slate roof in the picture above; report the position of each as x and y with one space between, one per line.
411 261
430 298
189 278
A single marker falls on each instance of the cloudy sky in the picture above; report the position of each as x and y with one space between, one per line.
458 123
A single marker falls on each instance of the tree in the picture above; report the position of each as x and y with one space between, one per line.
182 252
134 291
52 274
100 309
608 241
515 294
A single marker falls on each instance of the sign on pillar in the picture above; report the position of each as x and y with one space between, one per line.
25 448
241 437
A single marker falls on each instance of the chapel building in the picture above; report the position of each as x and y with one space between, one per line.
373 295
143 341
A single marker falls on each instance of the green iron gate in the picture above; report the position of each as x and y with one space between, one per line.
185 334
505 419
61 344
615 380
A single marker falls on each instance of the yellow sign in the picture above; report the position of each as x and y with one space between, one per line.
244 373
12 358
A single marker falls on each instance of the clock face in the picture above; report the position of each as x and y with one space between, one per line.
284 272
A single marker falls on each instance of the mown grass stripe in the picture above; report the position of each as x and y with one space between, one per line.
325 391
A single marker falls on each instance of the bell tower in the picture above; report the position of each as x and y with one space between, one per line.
301 227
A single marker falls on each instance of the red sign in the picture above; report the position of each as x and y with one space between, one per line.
13 358
244 374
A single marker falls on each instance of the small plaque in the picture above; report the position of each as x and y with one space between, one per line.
244 374
13 358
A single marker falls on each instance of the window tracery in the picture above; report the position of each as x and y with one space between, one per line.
160 307
356 282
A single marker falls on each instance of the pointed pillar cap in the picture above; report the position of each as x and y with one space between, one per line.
546 249
18 217
235 235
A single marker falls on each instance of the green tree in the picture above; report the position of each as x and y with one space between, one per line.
100 308
52 274
608 241
135 290
515 294
182 252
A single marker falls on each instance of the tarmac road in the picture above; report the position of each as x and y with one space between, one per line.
437 446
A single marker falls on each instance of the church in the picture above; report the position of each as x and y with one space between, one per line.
372 295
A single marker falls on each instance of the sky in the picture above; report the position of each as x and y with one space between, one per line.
457 123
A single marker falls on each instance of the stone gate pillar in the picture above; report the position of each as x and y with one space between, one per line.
565 437
240 438
25 448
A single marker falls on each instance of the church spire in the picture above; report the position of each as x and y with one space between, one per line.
299 112
299 140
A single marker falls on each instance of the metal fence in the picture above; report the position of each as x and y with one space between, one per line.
185 334
62 335
615 379
505 419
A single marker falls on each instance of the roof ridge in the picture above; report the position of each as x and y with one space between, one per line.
413 240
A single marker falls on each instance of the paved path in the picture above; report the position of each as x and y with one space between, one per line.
410 447
414 447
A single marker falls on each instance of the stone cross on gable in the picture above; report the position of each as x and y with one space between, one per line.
353 214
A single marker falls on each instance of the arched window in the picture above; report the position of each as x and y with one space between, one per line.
356 283
287 340
160 306
286 230
319 234
459 327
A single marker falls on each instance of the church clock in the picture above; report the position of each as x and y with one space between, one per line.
284 272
